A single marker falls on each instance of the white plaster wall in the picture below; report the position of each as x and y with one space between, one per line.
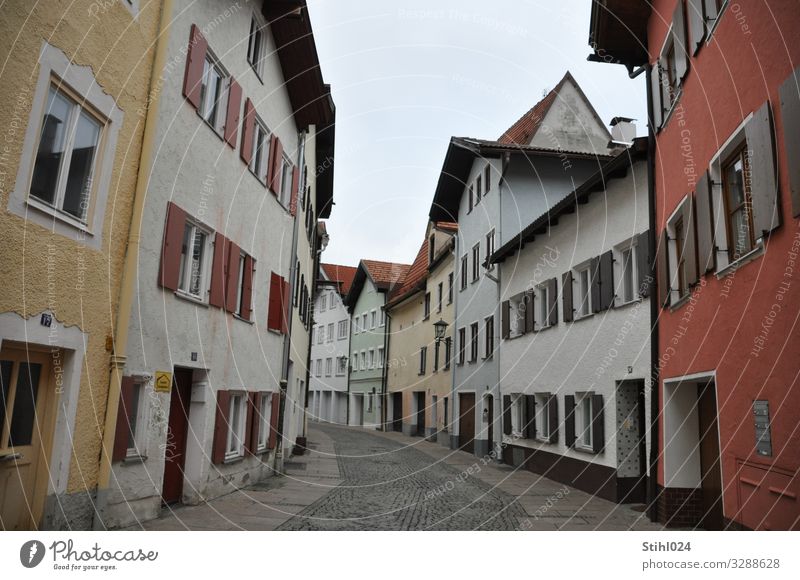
592 353
333 314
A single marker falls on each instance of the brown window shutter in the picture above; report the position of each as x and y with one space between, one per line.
505 322
566 297
120 450
276 162
763 178
218 269
690 244
507 414
529 299
171 247
655 97
679 37
232 277
598 427
273 141
569 420
247 287
606 280
220 428
643 268
274 418
705 224
697 25
248 126
195 61
250 425
233 113
295 187
275 299
594 271
552 418
662 269
285 306
530 417
790 121
552 301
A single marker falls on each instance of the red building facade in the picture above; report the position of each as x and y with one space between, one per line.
725 180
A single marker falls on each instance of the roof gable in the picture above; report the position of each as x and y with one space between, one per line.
341 275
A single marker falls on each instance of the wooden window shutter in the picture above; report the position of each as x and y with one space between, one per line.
790 120
218 269
598 428
643 269
606 280
247 287
286 302
195 61
690 243
171 247
505 322
507 414
274 418
594 272
251 425
233 113
530 417
705 225
220 428
257 421
275 298
276 164
232 277
248 126
530 310
763 178
552 418
655 97
120 450
295 187
569 420
662 269
679 37
697 24
273 141
552 301
566 297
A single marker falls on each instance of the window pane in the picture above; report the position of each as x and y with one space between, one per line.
5 387
24 414
187 240
734 177
79 179
197 262
133 415
627 276
740 229
51 147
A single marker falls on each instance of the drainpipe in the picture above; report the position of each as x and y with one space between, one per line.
130 267
453 395
385 370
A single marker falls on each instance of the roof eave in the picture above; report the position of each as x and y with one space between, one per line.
618 32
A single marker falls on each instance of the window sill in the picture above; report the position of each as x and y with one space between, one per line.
583 317
683 299
238 317
672 107
134 459
209 125
584 449
475 280
191 298
232 459
490 357
544 441
621 304
58 214
753 254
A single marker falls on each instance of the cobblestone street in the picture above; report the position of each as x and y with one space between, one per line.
356 479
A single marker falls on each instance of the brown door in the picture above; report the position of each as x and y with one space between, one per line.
421 414
490 402
397 411
466 422
711 480
177 429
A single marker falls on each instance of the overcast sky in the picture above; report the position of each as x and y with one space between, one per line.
407 76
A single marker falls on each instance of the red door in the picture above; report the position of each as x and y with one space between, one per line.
177 429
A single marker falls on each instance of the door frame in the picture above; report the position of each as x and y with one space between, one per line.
474 418
187 406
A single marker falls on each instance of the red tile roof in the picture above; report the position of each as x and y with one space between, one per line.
414 277
521 132
341 274
385 274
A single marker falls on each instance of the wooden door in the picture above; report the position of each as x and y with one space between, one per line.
177 430
710 474
490 404
421 414
26 425
466 422
397 411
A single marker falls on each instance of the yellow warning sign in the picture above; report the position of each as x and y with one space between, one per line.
163 382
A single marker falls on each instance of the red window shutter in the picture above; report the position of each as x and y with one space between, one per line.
257 421
246 150
171 246
273 421
220 428
295 186
285 307
273 142
218 268
195 60
232 277
276 164
120 450
234 110
247 287
250 413
275 299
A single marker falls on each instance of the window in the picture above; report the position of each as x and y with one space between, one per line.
285 193
489 337
342 329
517 415
669 75
328 367
260 158
542 416
431 248
584 296
464 269
330 332
462 345
371 358
450 288
738 204
489 246
364 322
236 425
380 357
383 318
427 306
680 256
191 277
356 330
448 352
137 421
213 94
436 356
628 291
423 355
373 319
518 309
583 420
476 259
320 334
543 296
439 296
256 45
264 415
341 366
63 173
323 302
471 199
319 367
487 177
363 360
241 289
478 190
473 342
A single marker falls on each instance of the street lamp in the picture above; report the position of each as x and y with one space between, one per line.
439 329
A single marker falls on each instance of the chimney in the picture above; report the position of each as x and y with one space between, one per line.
623 131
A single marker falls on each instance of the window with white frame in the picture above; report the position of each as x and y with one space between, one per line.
383 317
373 319
516 316
464 271
66 156
370 358
583 420
363 360
240 289
356 329
323 302
256 45
427 306
342 329
488 337
330 332
489 245
462 345
542 416
319 367
264 413
380 357
423 359
473 342
517 415
450 288
191 277
236 426
583 294
214 93
627 275
320 334
328 366
136 410
476 262
364 326
260 158
543 299
341 366
286 182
